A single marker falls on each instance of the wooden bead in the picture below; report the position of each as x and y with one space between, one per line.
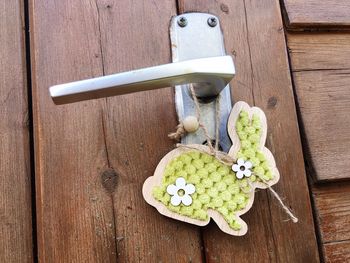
190 124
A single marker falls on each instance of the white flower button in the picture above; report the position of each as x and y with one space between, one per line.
242 168
181 192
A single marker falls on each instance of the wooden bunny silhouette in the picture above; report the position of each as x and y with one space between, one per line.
192 184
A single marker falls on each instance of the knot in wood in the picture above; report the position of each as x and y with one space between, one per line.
109 180
272 102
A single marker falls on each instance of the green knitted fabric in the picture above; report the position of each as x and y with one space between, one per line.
249 133
216 184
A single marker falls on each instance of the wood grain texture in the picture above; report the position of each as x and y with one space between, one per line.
332 203
92 157
15 177
319 51
337 252
304 14
254 31
324 102
333 210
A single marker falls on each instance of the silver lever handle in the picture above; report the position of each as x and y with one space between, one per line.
212 73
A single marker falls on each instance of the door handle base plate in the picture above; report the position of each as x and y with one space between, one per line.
198 35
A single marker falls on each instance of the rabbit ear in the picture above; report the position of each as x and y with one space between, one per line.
243 120
252 112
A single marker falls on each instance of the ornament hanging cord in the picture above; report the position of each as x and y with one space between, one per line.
222 156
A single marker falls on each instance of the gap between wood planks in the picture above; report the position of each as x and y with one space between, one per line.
30 125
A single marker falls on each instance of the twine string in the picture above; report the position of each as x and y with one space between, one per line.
177 135
279 199
217 122
284 207
198 113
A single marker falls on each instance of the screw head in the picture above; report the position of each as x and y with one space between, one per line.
212 21
182 21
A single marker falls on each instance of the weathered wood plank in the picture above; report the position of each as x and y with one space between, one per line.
74 212
254 30
319 51
324 101
15 177
337 252
92 157
333 210
136 129
304 14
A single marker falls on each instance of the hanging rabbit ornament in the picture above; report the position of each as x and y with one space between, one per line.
194 183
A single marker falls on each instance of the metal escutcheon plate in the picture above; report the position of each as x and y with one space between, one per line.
198 35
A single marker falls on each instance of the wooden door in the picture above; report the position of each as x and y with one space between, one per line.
91 158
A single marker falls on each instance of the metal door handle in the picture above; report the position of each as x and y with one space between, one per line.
212 74
199 58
